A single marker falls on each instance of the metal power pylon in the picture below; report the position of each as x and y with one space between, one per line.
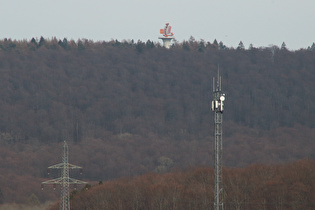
217 108
64 181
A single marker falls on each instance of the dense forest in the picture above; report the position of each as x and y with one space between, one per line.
127 108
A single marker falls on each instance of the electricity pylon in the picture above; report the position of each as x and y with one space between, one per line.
64 181
217 108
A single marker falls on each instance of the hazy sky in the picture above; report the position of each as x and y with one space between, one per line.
260 22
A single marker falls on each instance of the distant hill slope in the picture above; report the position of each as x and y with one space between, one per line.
50 90
128 108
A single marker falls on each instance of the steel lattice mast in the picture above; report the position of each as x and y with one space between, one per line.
217 108
64 181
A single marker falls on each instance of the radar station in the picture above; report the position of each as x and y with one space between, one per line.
167 35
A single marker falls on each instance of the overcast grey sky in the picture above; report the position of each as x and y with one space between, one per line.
257 22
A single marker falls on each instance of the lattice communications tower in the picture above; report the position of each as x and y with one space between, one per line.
64 181
217 108
167 35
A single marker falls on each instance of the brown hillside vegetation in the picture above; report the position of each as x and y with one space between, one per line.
287 186
24 166
128 108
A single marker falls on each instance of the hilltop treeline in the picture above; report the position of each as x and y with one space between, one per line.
127 108
288 186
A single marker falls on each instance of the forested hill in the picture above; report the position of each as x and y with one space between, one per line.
127 107
51 90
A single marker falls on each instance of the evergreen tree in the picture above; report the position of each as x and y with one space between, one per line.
283 46
222 46
140 46
149 44
186 46
81 45
41 41
33 41
64 43
241 46
117 43
201 46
